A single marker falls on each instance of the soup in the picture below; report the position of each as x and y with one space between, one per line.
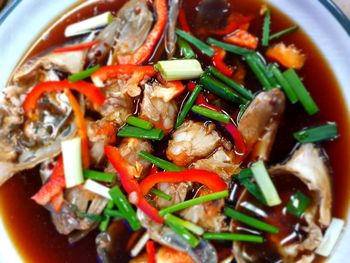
215 148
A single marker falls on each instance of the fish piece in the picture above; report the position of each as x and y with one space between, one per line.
265 108
178 193
221 163
192 141
161 113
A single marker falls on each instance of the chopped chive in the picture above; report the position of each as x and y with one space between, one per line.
180 69
140 123
113 213
125 207
229 47
135 132
184 234
185 49
83 74
188 225
187 106
214 115
161 194
255 64
104 224
99 176
233 237
203 47
303 95
92 217
220 89
163 164
192 202
283 32
284 84
250 221
266 28
268 70
321 133
244 177
244 174
247 94
265 184
297 204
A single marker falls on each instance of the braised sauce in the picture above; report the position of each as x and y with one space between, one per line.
29 225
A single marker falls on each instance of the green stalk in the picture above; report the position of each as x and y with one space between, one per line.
83 74
211 114
203 47
284 84
266 28
185 49
192 202
187 106
163 164
99 176
161 194
233 237
140 123
255 65
317 134
135 132
283 32
188 225
229 47
184 234
250 221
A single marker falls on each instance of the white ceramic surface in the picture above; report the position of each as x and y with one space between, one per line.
30 17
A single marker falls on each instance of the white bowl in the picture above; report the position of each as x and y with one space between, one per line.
317 18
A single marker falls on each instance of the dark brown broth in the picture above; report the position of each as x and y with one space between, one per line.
30 226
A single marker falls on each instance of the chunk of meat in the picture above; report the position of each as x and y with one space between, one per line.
221 162
192 141
288 56
161 113
169 255
130 149
178 193
259 114
207 215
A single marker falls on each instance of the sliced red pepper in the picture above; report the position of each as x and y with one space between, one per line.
80 121
153 170
88 89
57 201
151 251
78 47
117 71
183 21
129 183
237 137
209 179
218 61
243 38
201 101
145 51
54 186
235 21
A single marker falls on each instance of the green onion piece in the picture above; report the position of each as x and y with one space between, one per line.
135 132
284 84
140 123
161 194
180 69
220 89
214 115
257 67
104 224
269 73
244 177
185 49
283 32
192 202
187 106
321 133
73 169
184 234
163 164
83 75
297 204
99 176
244 174
265 184
203 47
92 217
303 95
233 237
247 94
250 221
114 213
188 225
266 28
125 207
229 47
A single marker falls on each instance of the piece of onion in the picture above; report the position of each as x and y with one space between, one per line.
97 188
